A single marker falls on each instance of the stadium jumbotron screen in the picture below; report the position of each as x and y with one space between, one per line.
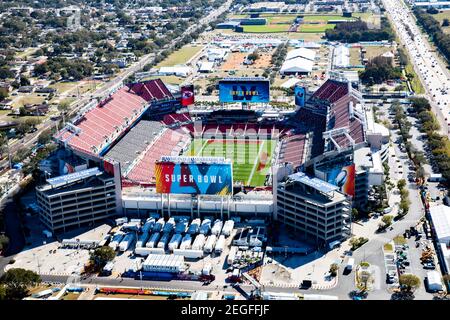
254 90
194 178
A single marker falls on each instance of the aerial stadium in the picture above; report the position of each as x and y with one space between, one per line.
228 161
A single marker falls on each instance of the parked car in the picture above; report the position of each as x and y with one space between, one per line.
429 266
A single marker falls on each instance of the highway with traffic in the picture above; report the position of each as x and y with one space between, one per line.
427 65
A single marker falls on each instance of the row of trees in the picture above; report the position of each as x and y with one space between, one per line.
277 60
404 126
404 198
439 144
356 31
433 27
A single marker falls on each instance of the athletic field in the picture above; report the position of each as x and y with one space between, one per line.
251 158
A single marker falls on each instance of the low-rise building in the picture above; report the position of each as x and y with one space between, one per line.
76 200
317 210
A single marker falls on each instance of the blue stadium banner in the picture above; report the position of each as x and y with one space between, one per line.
252 90
300 94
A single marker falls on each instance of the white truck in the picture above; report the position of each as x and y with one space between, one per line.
205 227
116 240
164 240
186 242
151 243
217 227
159 225
169 226
210 243
142 240
126 242
175 241
220 244
227 228
199 242
194 227
232 255
350 263
148 225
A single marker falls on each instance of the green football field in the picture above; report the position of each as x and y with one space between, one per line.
251 158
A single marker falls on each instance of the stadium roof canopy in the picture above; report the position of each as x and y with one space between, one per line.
73 177
315 183
297 65
302 53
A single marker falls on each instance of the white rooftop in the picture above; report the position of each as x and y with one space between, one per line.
301 52
440 216
297 65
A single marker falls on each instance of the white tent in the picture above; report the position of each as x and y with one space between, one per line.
434 281
297 65
341 56
440 215
181 71
206 66
302 53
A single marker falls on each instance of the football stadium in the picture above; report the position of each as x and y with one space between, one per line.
163 155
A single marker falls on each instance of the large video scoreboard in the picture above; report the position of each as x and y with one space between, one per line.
250 90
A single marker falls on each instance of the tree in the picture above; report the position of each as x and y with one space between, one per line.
22 111
334 269
4 241
16 282
24 81
45 136
409 282
63 106
387 220
100 256
401 184
355 213
446 23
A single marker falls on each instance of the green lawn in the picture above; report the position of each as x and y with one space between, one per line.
271 28
251 160
325 18
180 56
415 82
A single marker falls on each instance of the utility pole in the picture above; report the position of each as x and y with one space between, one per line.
9 152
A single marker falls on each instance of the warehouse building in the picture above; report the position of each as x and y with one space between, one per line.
76 200
317 210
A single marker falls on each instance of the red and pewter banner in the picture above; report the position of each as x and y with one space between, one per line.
187 95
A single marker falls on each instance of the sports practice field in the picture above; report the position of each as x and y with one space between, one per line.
251 158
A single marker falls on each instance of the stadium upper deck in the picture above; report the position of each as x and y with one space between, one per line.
100 126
